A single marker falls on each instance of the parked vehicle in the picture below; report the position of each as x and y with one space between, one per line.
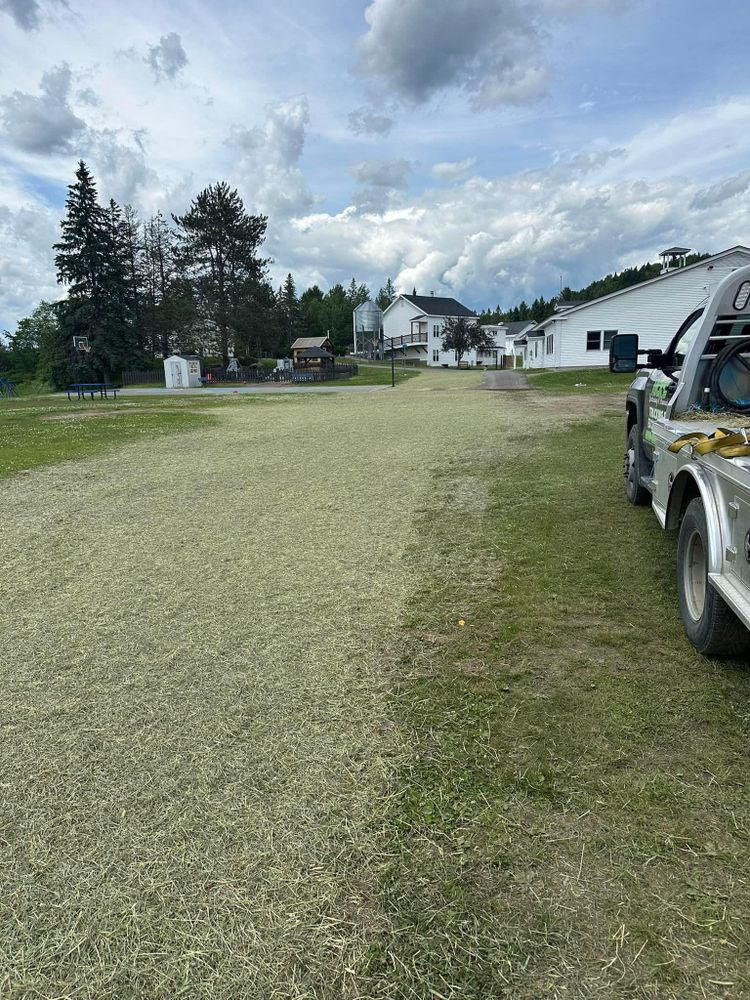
688 455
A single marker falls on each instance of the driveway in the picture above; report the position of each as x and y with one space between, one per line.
504 380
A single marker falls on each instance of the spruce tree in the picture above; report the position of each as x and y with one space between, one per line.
218 245
84 262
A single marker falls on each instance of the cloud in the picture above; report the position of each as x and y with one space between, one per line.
44 124
492 49
710 197
362 121
381 183
383 173
451 171
268 165
417 48
120 169
24 12
167 58
500 239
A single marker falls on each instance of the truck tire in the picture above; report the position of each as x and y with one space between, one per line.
710 624
638 495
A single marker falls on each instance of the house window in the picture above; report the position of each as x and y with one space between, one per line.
594 340
436 355
436 330
608 335
550 343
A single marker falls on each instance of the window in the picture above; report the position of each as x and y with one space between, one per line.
550 342
436 330
599 340
436 355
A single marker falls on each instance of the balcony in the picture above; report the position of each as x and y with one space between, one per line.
408 340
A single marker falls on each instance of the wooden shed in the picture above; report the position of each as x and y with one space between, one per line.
312 352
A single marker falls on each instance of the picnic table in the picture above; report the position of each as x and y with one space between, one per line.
82 389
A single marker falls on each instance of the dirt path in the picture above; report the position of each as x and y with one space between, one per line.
194 736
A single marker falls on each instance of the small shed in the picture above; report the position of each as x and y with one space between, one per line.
312 352
182 372
314 357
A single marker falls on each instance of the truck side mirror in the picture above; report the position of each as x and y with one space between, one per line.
623 353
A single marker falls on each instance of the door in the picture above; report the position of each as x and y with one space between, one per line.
177 374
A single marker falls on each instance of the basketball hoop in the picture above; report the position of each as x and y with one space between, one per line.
81 344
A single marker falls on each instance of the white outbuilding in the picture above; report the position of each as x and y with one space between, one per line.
182 372
578 335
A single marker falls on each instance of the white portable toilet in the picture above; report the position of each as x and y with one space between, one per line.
182 372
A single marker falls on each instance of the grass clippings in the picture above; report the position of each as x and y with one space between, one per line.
248 750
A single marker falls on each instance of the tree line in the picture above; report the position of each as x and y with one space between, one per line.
138 290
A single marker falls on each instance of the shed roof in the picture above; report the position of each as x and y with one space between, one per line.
310 342
314 352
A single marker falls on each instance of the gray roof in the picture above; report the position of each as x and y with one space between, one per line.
518 325
436 305
310 342
314 352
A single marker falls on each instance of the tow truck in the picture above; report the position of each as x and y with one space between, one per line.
688 455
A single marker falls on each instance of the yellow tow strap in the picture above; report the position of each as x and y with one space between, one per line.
723 442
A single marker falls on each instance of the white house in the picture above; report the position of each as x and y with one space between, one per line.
413 329
578 335
515 339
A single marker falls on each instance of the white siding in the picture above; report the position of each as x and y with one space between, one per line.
397 319
653 311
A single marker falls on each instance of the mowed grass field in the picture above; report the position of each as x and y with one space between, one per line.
248 750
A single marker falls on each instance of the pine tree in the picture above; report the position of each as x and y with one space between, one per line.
386 295
90 261
288 307
218 246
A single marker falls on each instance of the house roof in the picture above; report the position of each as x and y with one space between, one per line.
436 305
675 250
310 342
642 284
518 326
314 352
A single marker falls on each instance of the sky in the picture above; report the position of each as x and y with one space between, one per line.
485 149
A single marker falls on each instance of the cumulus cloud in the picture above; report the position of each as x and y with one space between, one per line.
363 121
167 58
380 181
709 197
488 47
452 170
43 124
492 49
268 165
504 238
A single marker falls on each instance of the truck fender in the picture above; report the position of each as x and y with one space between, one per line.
690 482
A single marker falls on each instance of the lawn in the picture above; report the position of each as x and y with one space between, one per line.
579 380
251 751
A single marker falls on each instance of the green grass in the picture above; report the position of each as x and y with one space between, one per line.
43 430
574 816
249 751
579 381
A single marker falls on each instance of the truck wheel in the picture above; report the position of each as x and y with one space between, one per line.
710 624
637 494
